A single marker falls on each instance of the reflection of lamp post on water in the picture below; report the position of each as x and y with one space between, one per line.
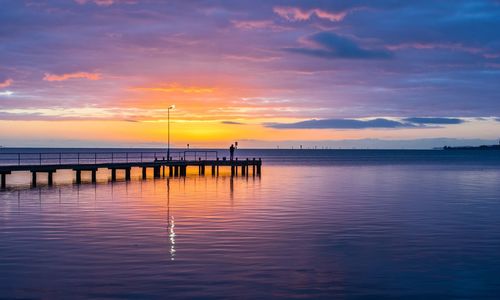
168 129
170 224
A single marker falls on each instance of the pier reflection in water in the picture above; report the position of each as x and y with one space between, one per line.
297 231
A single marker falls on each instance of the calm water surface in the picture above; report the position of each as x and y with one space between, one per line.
355 227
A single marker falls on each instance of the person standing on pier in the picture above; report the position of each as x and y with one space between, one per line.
231 152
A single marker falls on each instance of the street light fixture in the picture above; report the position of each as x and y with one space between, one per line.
168 131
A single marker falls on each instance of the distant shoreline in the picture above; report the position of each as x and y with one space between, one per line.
482 147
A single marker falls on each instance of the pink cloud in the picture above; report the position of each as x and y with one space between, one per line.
82 75
297 14
334 17
252 58
6 83
257 24
98 2
177 88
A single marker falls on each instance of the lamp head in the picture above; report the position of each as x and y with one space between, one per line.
171 106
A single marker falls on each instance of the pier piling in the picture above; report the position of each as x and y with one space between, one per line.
127 174
78 176
50 178
3 180
156 172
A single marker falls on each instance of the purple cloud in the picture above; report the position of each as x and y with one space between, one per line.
435 121
331 45
341 124
232 123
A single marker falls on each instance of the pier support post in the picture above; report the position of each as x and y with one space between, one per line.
78 176
232 170
113 174
259 167
127 174
176 171
213 170
3 180
94 176
144 169
33 178
170 171
50 178
156 172
163 171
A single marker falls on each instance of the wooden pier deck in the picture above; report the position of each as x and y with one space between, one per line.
176 166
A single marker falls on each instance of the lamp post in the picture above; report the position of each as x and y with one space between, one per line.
168 129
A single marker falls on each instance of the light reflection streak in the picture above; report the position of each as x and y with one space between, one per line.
171 224
172 237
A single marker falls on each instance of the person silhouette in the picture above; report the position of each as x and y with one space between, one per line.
231 152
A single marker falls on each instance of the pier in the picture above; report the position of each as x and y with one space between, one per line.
174 166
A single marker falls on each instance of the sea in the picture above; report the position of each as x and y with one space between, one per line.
317 224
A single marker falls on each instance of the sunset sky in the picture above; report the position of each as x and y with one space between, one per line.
103 72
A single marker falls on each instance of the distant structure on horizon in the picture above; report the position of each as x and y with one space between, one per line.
482 147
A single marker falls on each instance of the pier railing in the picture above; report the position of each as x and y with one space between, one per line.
200 155
63 158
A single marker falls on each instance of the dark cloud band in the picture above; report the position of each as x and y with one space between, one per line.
336 46
365 124
341 124
437 121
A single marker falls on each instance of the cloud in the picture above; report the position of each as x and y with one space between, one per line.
331 45
252 58
196 48
440 121
432 46
98 2
6 83
341 124
82 75
80 113
257 25
35 116
177 88
232 123
296 14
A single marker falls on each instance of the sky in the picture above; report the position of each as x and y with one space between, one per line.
264 73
